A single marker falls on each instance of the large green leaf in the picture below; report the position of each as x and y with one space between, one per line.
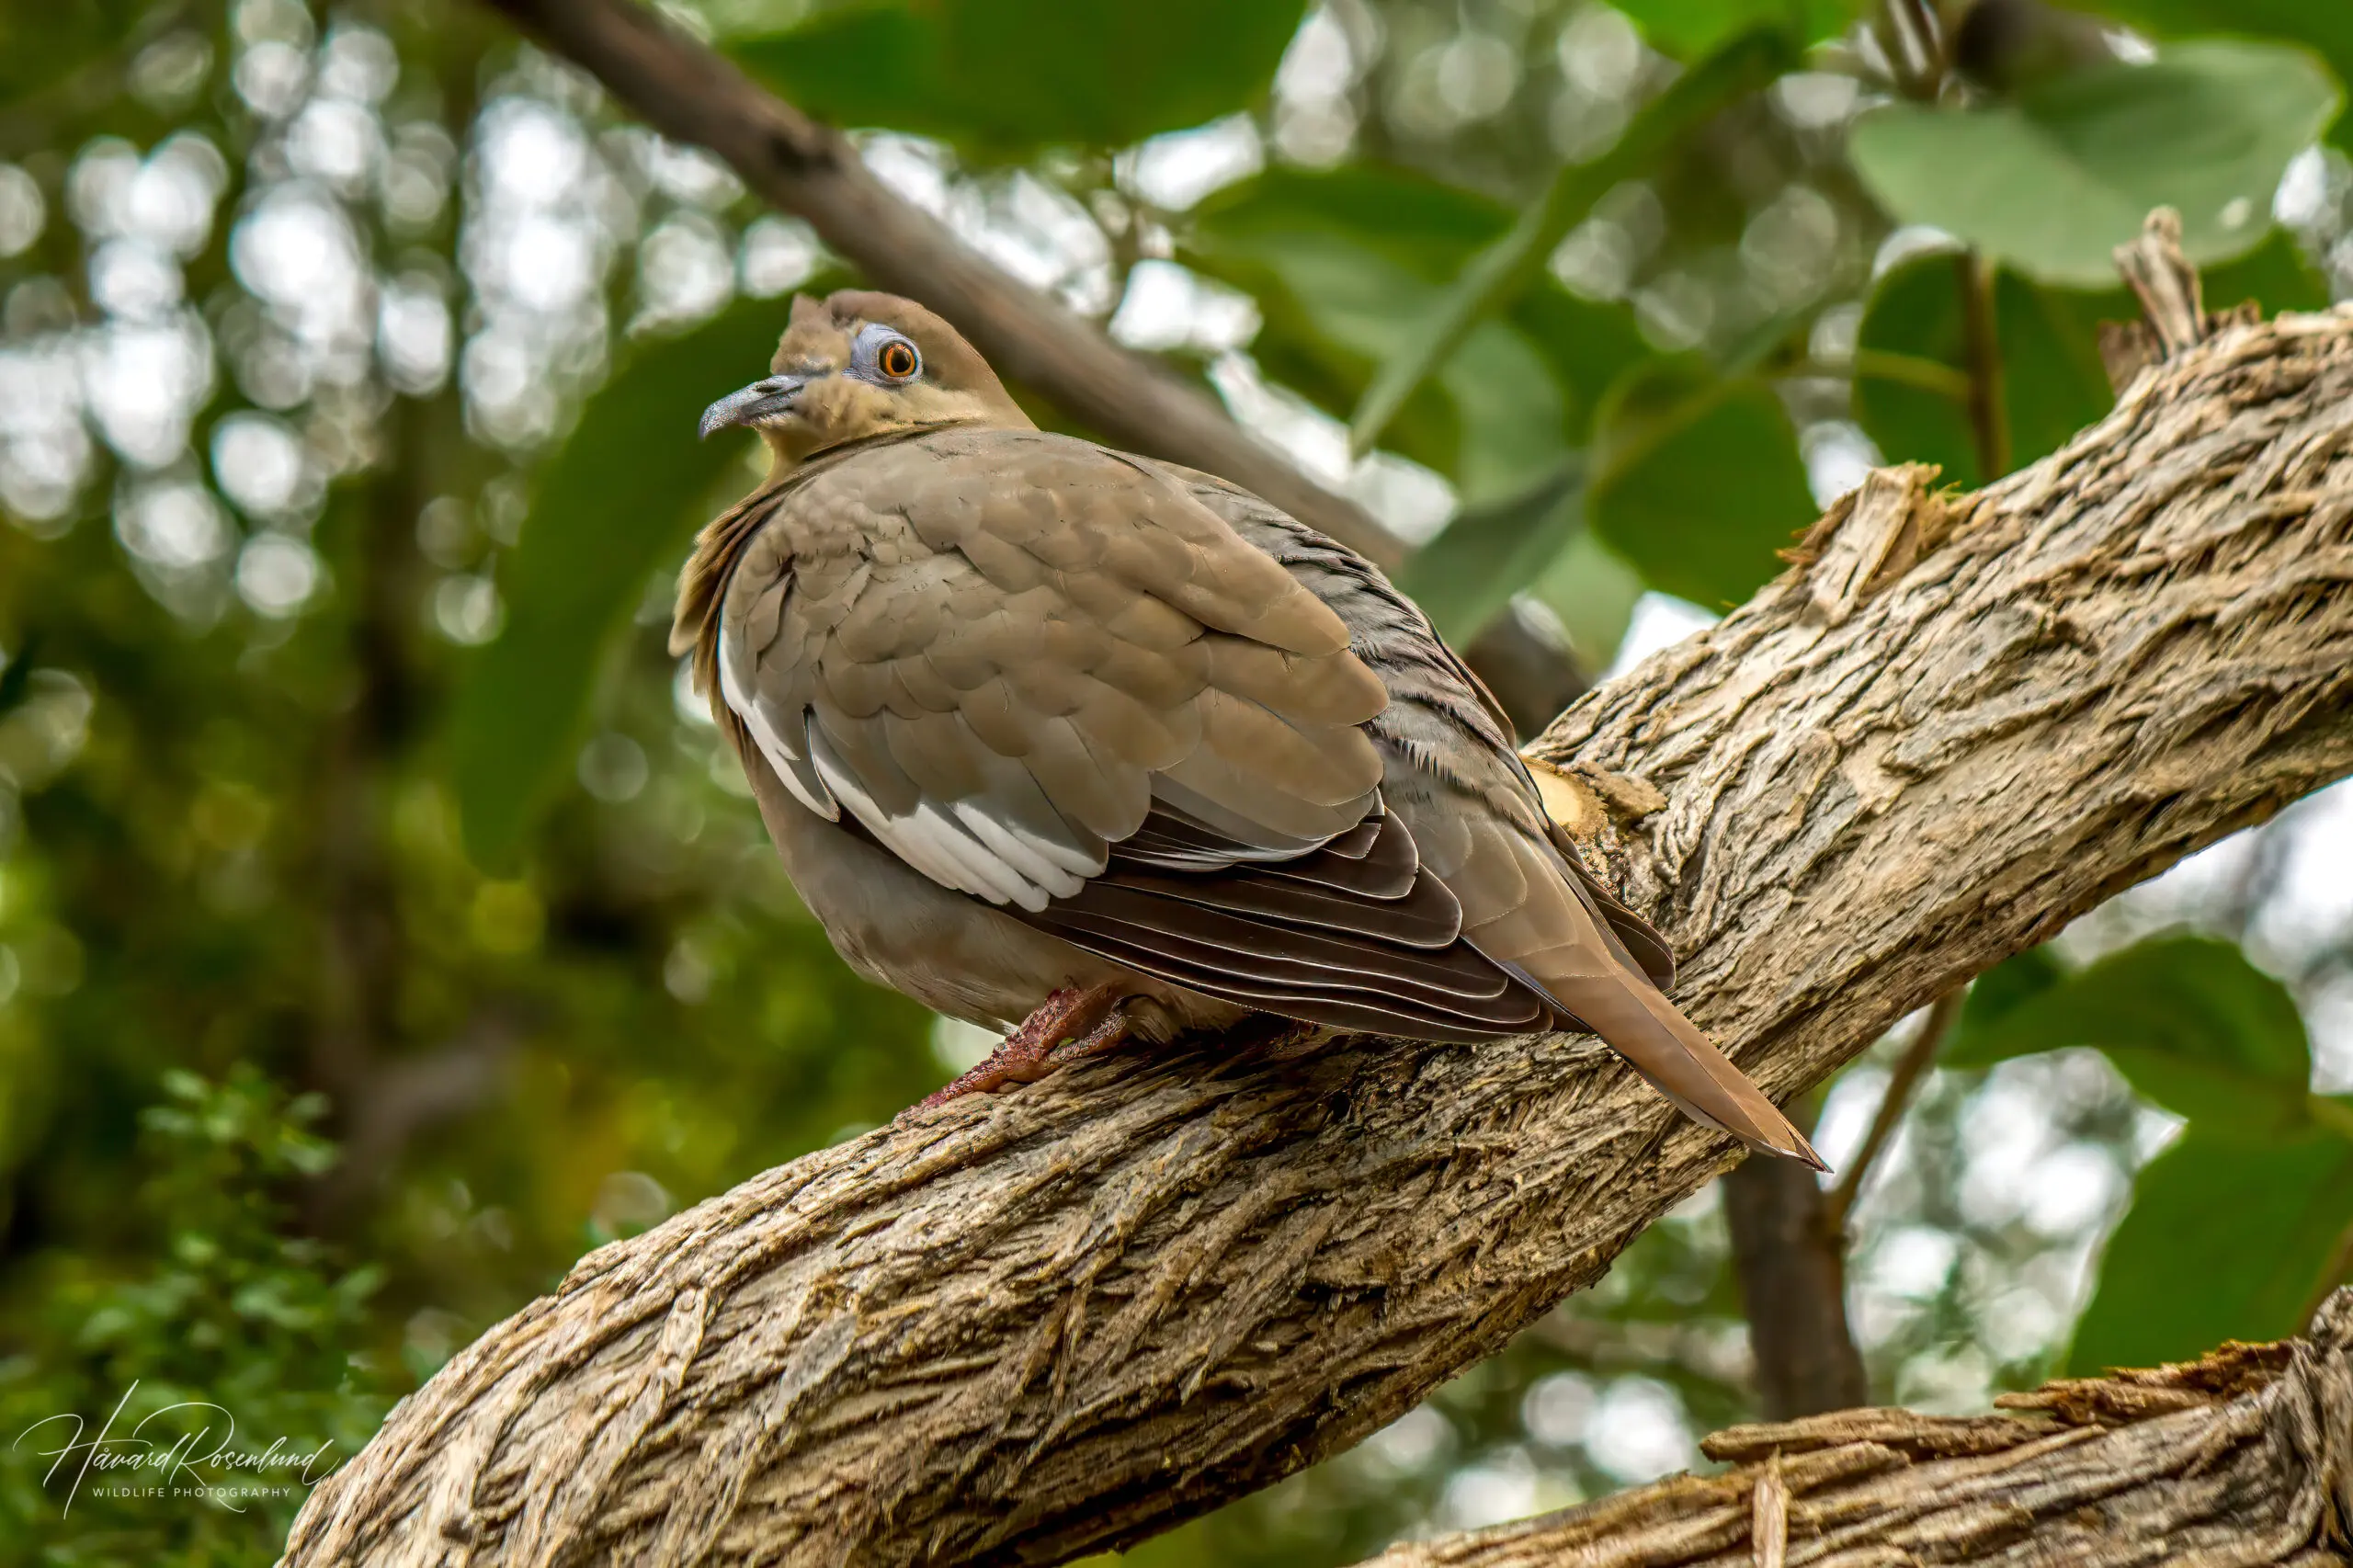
1690 28
2224 1239
1487 553
1911 366
1503 269
2052 180
2194 1025
1696 480
1994 995
1340 263
613 505
2323 26
1005 76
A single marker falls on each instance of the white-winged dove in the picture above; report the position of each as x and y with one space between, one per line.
1098 747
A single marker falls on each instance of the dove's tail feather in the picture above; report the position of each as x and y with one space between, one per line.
1680 1062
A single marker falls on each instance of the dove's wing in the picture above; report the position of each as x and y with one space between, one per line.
1529 904
1047 676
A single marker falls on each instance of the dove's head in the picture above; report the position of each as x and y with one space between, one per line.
856 364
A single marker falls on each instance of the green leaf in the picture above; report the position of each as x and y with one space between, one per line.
1338 261
2323 26
1504 269
2224 1239
1696 480
2052 180
1008 76
2275 275
1994 995
615 503
1912 367
1487 553
1690 28
2188 1021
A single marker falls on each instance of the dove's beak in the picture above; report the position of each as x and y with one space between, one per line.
760 401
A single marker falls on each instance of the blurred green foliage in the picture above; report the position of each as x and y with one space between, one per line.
349 364
1913 358
2056 178
231 1336
1001 77
2234 1229
608 517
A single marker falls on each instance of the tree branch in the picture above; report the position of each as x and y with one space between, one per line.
2246 1457
1919 1055
690 93
1792 1273
1016 1329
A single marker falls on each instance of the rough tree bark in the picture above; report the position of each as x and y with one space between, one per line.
2244 1458
1015 1329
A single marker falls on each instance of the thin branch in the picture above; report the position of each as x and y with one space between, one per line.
1792 1274
1989 422
1907 370
1918 1056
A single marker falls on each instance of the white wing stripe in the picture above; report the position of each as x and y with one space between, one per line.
1017 853
782 758
927 838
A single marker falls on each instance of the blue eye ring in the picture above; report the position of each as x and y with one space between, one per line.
886 357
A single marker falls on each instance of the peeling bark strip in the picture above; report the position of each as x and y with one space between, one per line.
2248 1458
1016 1329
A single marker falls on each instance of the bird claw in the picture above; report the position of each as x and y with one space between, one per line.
1068 1027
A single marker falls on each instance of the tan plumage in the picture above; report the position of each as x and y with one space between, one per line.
1029 719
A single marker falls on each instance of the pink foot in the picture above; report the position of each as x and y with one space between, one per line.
1069 1024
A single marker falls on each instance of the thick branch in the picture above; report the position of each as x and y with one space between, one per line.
1792 1270
1018 1328
2245 1458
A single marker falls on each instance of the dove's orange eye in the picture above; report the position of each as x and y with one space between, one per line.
898 360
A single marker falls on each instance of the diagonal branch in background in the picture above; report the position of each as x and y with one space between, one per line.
1016 1330
1919 1055
690 93
2245 1456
